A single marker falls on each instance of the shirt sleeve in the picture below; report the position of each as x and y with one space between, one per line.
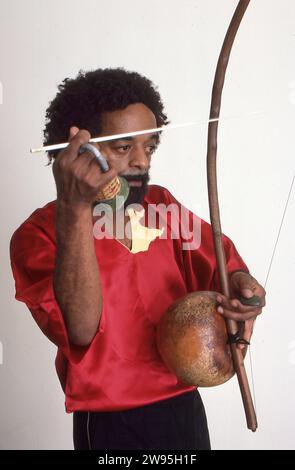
32 254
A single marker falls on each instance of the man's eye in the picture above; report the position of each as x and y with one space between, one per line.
151 149
123 148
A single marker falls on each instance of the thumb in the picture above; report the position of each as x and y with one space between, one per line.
73 131
244 284
247 292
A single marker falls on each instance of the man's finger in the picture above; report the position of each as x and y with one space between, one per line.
235 304
71 152
246 332
239 316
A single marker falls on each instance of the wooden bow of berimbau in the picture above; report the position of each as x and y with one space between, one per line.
193 340
214 205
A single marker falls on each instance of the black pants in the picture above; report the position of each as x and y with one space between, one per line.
175 424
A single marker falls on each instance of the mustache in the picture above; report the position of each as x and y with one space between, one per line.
144 178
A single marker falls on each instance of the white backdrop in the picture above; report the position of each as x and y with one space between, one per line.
176 44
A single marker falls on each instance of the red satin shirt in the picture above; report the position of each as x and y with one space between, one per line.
121 368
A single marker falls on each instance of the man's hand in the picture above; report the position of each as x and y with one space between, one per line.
79 177
242 285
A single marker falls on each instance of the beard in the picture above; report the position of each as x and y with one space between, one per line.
136 193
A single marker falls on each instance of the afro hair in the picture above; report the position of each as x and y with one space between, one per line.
81 102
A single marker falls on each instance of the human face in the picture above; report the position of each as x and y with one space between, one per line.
131 156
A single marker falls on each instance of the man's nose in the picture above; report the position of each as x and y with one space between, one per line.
139 159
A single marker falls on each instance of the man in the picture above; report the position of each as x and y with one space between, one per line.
99 299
